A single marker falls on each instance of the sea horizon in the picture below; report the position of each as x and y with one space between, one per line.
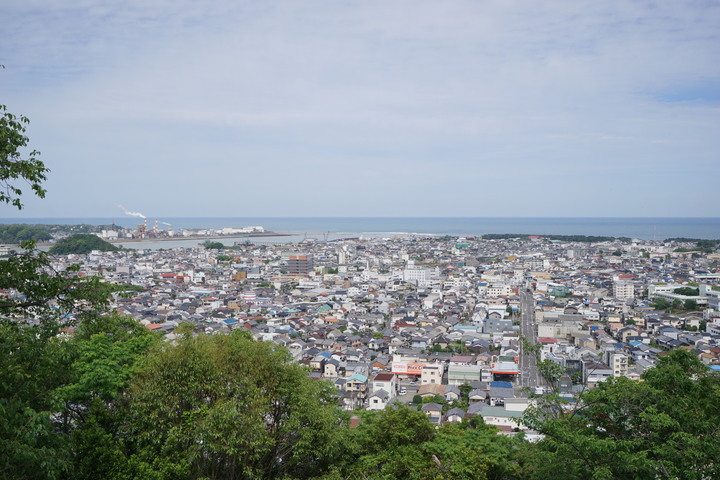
646 228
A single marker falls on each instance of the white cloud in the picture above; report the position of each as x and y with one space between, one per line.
463 90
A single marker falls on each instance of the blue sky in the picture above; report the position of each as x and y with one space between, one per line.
368 108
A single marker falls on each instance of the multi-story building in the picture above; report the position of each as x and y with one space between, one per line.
386 382
463 369
619 364
299 264
623 290
432 374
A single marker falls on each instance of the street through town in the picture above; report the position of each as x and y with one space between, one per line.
528 360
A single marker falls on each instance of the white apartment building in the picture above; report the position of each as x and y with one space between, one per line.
623 290
619 364
432 374
499 290
420 276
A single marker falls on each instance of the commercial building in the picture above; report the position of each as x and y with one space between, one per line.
299 264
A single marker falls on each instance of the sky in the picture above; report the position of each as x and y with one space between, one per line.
315 108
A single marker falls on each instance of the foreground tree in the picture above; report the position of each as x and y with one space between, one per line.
39 292
228 407
33 367
14 166
37 302
665 426
400 442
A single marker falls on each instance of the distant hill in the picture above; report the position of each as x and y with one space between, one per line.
15 234
81 243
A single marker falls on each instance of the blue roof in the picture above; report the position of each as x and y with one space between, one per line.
358 377
499 384
715 368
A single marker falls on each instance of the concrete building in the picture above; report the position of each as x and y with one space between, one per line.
299 264
619 364
432 374
623 290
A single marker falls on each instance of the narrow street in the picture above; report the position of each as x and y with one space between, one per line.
528 362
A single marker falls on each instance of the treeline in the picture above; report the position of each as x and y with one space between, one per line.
562 238
15 234
115 401
81 243
707 246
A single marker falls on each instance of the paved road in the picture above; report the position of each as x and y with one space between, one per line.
528 362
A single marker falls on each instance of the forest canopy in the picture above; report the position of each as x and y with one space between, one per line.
81 243
14 234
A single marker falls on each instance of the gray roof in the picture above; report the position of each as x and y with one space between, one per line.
456 411
381 394
431 406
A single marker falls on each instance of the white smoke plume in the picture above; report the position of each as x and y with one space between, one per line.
168 224
132 214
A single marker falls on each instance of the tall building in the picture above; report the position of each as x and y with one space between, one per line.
623 290
619 364
300 264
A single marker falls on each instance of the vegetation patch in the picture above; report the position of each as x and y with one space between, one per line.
81 243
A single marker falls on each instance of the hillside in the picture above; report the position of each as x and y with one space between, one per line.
81 243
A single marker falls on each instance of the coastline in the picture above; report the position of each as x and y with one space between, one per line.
645 228
197 237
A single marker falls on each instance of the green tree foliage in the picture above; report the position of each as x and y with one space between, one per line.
690 304
229 407
105 355
661 303
562 238
35 360
462 451
105 352
213 245
51 389
385 445
81 243
551 372
15 234
662 427
40 292
14 165
707 246
399 442
687 291
33 367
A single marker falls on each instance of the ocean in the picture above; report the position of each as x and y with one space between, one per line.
338 227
